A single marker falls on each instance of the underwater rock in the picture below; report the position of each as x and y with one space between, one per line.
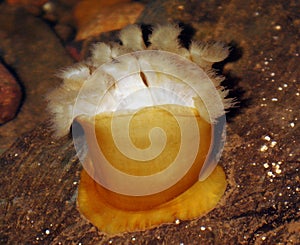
35 54
27 2
95 17
10 95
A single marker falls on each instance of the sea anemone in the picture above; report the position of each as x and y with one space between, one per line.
153 117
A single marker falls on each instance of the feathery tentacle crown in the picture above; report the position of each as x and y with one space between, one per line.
165 38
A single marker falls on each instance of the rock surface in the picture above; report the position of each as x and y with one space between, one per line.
10 95
39 175
95 17
30 48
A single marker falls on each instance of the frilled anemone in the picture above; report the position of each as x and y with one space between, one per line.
153 120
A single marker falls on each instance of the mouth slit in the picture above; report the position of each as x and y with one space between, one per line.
144 79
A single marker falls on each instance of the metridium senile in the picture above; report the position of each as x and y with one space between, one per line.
153 117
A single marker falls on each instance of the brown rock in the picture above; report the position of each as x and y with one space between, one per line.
31 48
65 32
10 95
96 17
27 2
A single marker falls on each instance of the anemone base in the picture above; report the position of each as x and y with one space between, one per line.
198 200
